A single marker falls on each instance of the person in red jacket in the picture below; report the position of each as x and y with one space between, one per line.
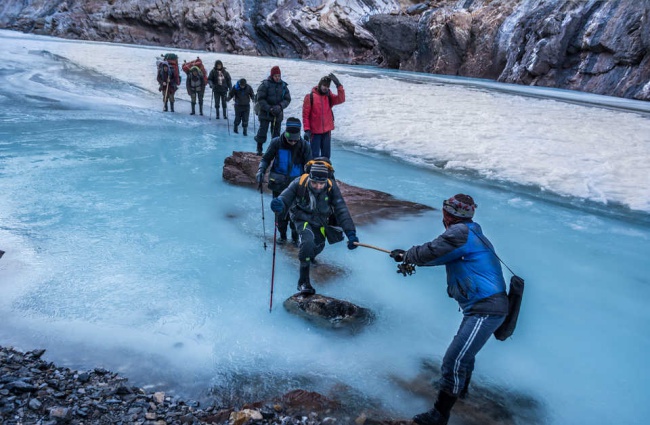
317 115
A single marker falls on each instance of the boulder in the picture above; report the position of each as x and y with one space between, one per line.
365 205
328 312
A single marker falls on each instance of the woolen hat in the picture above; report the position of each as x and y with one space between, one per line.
275 70
293 128
460 205
318 173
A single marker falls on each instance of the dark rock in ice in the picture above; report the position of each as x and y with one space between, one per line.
329 312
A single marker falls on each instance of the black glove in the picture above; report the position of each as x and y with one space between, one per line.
276 110
335 80
308 135
352 238
277 206
398 255
260 178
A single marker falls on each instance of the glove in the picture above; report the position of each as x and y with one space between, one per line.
398 255
260 178
335 80
277 206
308 135
276 110
210 84
352 238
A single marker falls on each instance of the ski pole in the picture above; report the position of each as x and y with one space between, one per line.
263 221
275 232
371 246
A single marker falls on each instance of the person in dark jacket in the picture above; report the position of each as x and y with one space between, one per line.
272 97
311 200
287 154
167 84
475 281
318 116
220 83
243 94
195 85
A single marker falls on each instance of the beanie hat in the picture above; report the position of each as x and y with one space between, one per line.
275 70
318 173
460 205
325 81
242 82
293 129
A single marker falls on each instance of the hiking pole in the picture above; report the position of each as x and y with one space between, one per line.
254 131
371 246
275 232
263 221
227 118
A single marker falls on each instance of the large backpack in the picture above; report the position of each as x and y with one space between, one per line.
187 67
172 60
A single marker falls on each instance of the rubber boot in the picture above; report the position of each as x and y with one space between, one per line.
304 286
225 114
235 130
171 105
200 108
165 108
217 116
439 415
245 131
193 106
259 149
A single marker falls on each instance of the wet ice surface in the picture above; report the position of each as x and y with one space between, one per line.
126 249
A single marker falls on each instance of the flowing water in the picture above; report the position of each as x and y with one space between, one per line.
127 250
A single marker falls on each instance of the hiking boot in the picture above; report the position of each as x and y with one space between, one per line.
305 288
432 417
200 109
217 116
282 240
165 108
171 104
193 110
235 130
245 132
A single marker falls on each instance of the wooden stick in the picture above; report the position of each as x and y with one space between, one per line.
373 247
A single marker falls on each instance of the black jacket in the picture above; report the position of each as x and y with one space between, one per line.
213 80
270 94
243 96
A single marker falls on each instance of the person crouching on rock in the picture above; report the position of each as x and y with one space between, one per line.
475 281
195 85
311 200
287 154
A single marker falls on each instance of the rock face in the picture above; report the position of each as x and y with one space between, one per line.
365 205
592 45
329 312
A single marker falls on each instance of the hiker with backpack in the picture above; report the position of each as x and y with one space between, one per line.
475 281
195 85
220 83
167 84
288 154
317 114
272 98
312 200
243 94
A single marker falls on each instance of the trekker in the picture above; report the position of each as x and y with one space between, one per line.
317 114
220 83
243 94
195 85
287 154
272 97
166 84
475 281
311 200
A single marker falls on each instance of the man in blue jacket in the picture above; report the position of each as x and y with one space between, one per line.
287 154
475 281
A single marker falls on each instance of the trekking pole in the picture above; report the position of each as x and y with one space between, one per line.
371 246
263 221
211 96
275 232
254 119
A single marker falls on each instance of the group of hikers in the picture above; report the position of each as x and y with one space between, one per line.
308 201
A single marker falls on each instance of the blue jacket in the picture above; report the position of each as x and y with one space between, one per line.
474 275
287 161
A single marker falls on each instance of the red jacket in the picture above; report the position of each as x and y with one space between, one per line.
317 116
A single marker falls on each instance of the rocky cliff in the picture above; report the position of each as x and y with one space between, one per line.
590 45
